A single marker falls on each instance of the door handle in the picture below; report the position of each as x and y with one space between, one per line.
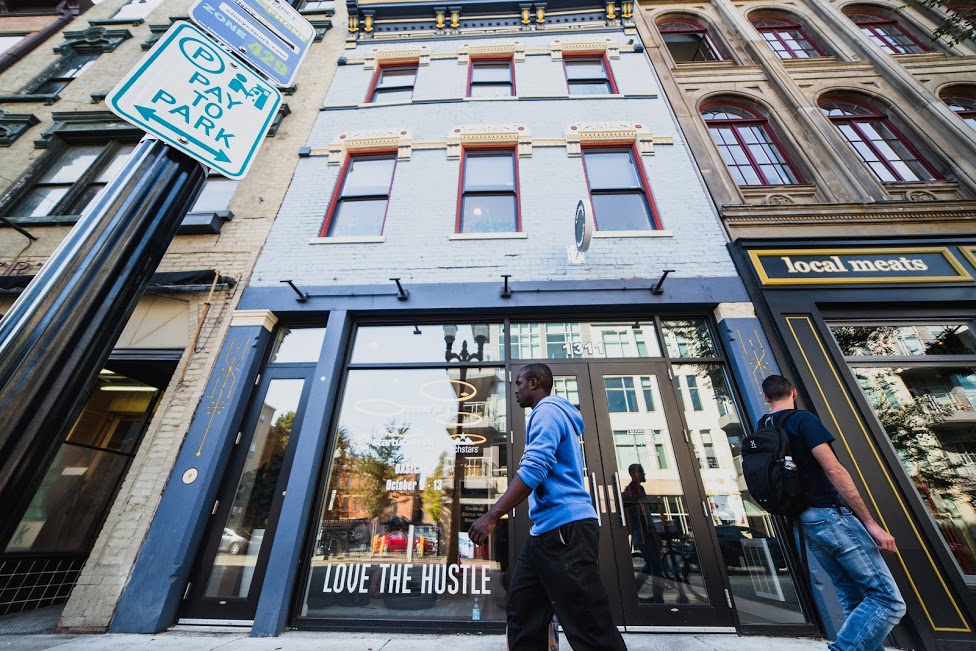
599 520
603 499
612 499
620 498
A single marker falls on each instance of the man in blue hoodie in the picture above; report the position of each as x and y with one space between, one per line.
558 569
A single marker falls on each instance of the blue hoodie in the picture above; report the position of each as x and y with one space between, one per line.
552 466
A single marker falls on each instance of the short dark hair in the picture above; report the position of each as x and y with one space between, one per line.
777 387
541 373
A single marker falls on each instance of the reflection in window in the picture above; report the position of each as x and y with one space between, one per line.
886 32
887 153
786 37
963 102
79 486
480 342
621 202
928 411
135 9
621 396
216 195
688 338
297 345
688 40
394 83
489 192
360 205
412 468
587 76
751 151
921 339
586 340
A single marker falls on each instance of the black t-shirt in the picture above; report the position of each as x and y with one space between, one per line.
807 432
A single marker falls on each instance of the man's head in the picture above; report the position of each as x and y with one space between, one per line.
777 388
534 382
637 472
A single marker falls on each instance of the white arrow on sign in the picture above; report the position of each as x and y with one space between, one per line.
199 99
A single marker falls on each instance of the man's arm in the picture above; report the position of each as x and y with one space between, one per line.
516 493
841 480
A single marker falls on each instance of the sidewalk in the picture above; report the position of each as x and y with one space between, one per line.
34 631
309 641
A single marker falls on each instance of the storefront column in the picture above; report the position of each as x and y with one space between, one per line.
296 509
151 599
751 360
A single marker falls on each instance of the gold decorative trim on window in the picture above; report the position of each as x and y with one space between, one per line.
388 57
607 46
487 135
610 133
467 52
358 142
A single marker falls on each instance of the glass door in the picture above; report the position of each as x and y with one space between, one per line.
227 578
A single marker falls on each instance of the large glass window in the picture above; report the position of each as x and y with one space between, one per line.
886 31
920 379
588 75
69 70
412 467
360 206
688 40
786 37
394 83
877 142
583 340
751 152
618 190
489 192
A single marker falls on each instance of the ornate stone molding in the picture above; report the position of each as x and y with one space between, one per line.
380 57
94 40
607 46
486 135
466 52
888 212
376 140
12 125
605 133
263 318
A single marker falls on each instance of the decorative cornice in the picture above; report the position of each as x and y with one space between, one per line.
597 133
250 318
885 212
486 135
560 47
514 50
374 140
380 57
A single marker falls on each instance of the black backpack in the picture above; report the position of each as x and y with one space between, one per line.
768 467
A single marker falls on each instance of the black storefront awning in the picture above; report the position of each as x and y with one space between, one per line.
167 281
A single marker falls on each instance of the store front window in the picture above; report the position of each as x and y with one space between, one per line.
419 454
920 380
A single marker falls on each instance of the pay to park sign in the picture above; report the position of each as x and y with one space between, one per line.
198 99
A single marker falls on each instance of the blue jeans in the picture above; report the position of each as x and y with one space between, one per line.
871 601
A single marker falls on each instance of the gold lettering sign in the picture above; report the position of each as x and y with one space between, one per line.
777 267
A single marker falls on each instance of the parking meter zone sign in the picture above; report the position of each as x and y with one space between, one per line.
197 98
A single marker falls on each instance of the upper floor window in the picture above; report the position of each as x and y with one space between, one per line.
359 206
963 102
688 40
136 9
786 37
394 83
70 70
588 75
618 190
489 192
70 183
216 195
491 78
887 32
7 41
747 145
877 142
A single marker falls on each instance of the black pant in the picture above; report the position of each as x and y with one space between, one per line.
559 571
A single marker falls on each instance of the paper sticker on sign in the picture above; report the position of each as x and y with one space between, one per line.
198 99
269 35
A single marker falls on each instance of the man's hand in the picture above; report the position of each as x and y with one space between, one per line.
884 540
481 528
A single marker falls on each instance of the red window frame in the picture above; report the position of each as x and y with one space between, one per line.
692 27
511 71
756 120
868 21
645 188
878 116
602 56
371 93
330 213
460 196
782 24
968 115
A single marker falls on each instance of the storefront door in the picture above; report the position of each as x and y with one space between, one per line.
658 552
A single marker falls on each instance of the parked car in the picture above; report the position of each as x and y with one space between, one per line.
232 542
730 539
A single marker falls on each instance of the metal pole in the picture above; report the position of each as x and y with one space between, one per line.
60 331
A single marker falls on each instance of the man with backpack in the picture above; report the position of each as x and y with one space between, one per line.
833 519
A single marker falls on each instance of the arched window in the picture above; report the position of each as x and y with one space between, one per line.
748 146
786 37
886 32
887 152
688 40
963 102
